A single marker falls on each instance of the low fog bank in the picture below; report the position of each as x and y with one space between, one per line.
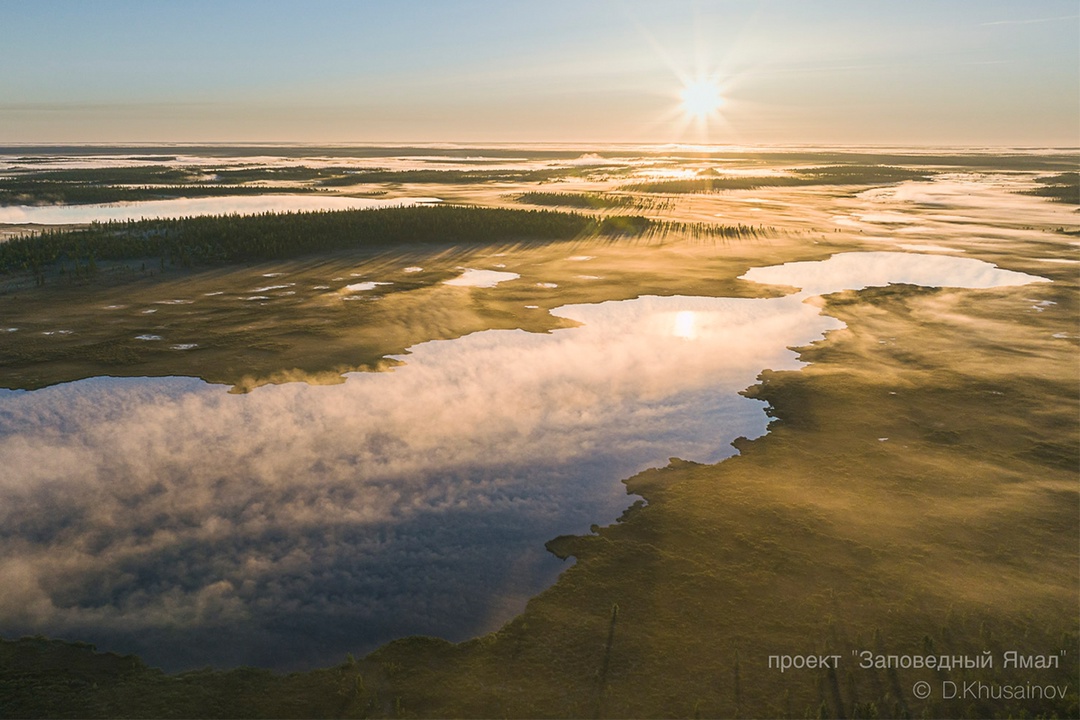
190 207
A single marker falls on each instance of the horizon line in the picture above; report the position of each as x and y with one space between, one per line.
449 144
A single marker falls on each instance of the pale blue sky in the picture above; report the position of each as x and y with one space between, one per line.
972 72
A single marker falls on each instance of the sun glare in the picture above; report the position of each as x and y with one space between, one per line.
701 98
684 325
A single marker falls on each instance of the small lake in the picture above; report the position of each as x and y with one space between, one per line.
481 278
189 207
294 524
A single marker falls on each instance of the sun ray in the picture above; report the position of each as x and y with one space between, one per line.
705 80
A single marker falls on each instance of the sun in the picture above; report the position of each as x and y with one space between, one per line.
701 98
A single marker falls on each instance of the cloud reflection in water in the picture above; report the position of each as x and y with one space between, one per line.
169 517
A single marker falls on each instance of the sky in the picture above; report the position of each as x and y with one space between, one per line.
831 72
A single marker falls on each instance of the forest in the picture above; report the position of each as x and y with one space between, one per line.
218 240
1063 187
590 200
215 240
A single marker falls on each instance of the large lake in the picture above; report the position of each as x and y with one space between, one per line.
296 523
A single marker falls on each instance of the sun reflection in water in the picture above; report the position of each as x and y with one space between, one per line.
684 324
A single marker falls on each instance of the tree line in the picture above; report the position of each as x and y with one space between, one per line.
222 239
215 240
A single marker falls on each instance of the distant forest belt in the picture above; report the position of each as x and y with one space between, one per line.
218 240
72 179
